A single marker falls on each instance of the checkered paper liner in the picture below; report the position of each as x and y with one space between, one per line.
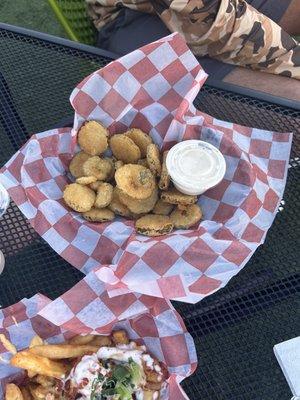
153 88
87 308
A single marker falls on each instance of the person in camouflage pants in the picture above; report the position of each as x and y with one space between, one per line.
228 30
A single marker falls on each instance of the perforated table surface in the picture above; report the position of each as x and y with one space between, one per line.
236 328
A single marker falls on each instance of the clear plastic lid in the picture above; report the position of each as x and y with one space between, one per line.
195 166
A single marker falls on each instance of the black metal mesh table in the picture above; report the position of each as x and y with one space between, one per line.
234 329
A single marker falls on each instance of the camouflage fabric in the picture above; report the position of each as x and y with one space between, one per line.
228 30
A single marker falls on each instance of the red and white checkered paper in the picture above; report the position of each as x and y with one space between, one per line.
87 308
153 89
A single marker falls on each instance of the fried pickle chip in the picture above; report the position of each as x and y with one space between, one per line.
173 196
104 195
143 162
13 392
98 167
153 159
162 208
124 148
154 225
76 164
118 164
86 180
140 138
79 198
99 215
135 180
117 207
182 206
184 219
92 138
164 181
95 185
137 206
111 174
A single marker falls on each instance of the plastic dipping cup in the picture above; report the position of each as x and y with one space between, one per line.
195 166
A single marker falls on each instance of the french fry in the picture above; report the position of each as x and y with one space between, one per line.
58 352
39 365
26 393
79 339
101 341
36 341
13 392
7 344
120 337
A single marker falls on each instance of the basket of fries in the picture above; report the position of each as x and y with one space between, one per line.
99 193
115 349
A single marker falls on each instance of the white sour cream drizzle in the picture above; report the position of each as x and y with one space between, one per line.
88 368
120 354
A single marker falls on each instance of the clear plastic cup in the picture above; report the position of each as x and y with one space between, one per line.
195 166
4 200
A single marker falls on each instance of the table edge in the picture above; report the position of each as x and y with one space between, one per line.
214 83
